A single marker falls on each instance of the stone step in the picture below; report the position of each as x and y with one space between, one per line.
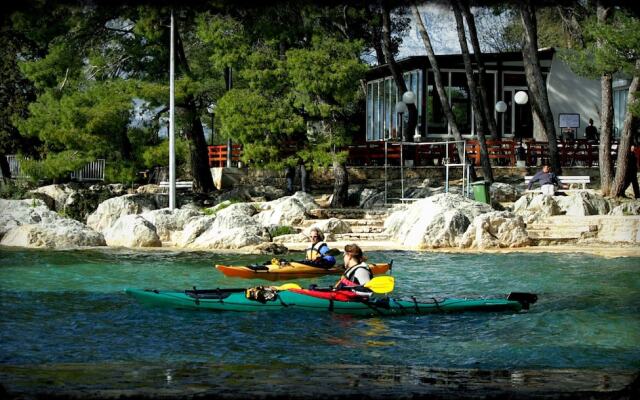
355 237
350 221
367 229
349 213
561 234
564 225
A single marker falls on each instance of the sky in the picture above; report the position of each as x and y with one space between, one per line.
441 25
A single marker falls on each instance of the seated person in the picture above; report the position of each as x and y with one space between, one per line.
357 271
548 181
317 254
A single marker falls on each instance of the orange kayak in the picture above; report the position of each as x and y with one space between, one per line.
290 269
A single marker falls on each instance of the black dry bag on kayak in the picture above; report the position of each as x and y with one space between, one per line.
261 294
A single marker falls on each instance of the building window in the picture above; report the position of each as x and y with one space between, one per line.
460 101
619 110
436 120
382 96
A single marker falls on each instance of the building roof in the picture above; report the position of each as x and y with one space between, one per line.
455 61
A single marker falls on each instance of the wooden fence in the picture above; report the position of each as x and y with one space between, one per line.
218 155
501 153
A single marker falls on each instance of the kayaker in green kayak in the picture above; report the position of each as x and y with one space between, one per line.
357 271
318 253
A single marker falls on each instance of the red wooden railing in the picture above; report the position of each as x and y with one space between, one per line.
218 155
501 152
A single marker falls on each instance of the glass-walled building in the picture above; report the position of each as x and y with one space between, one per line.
504 77
382 96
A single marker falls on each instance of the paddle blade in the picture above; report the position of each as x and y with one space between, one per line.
333 252
381 284
288 286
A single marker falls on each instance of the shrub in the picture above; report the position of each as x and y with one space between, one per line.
282 230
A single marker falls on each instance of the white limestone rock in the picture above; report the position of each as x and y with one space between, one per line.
291 238
168 222
535 207
110 210
64 233
288 210
503 192
14 213
495 229
330 226
626 208
232 228
579 204
614 229
370 198
445 229
306 199
132 231
59 193
234 238
192 229
434 221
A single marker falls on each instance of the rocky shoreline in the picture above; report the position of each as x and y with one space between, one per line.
250 223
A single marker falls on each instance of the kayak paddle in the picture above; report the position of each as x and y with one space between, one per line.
287 286
381 284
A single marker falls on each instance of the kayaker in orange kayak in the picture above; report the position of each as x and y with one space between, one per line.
317 254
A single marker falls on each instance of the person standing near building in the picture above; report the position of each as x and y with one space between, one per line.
631 177
591 132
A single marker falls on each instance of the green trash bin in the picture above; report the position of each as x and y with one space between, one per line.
481 191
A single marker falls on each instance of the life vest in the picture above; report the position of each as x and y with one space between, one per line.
313 252
349 279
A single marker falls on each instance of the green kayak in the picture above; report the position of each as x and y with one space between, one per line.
236 300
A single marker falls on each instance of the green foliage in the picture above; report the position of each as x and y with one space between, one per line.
304 96
220 206
295 78
14 189
282 230
225 39
57 166
610 48
120 172
156 155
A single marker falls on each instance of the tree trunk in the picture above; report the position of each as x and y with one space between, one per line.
535 81
304 179
606 116
200 172
606 134
473 93
440 86
5 171
626 137
340 184
410 127
475 43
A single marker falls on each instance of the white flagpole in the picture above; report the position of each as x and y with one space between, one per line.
172 142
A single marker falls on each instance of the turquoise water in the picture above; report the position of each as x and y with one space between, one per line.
69 308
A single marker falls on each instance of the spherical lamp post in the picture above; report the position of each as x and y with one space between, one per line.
521 97
211 108
501 106
401 109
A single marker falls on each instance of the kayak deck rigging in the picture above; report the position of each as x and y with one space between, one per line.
236 300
